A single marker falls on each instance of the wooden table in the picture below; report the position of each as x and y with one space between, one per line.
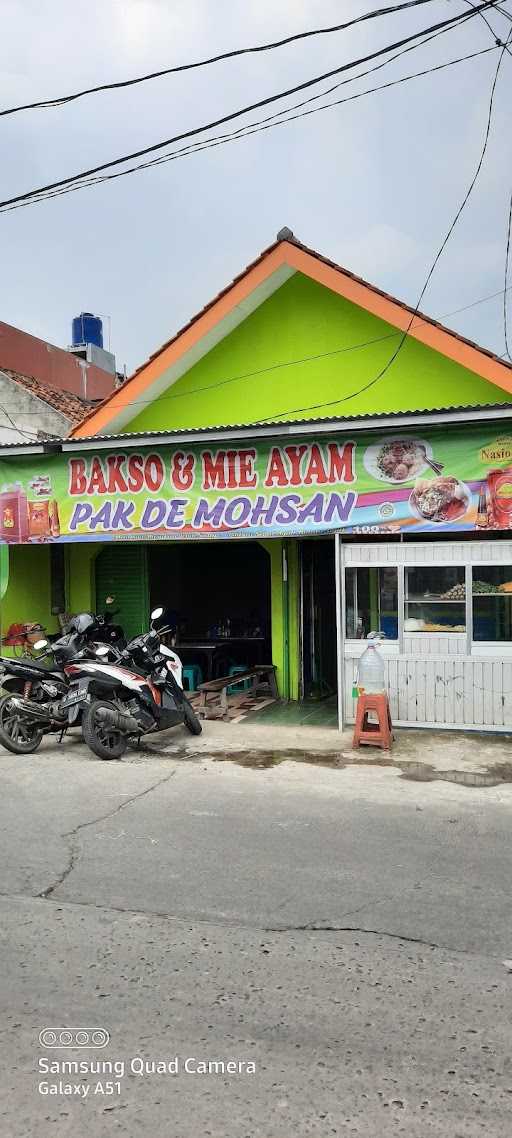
211 648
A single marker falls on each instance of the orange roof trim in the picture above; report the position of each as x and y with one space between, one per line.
291 253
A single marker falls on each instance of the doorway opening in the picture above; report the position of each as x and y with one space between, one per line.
318 604
217 602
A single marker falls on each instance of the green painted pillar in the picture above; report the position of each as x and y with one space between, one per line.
284 588
293 618
4 581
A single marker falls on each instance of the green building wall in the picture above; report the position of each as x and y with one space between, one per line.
27 595
303 347
26 583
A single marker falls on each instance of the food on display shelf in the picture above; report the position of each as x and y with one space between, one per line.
485 587
431 627
456 593
506 587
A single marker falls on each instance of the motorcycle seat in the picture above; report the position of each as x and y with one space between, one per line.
14 666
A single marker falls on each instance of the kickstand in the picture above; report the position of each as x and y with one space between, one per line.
62 734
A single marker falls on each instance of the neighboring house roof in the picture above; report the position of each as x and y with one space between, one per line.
71 406
251 288
29 355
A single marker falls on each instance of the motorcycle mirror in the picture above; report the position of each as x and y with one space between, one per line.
165 650
102 650
157 613
40 644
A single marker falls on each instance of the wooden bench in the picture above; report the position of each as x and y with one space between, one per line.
262 676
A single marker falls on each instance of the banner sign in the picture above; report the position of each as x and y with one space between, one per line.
444 480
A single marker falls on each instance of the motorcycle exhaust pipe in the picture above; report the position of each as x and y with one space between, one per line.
117 719
35 710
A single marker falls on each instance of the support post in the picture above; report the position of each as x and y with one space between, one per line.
286 624
340 624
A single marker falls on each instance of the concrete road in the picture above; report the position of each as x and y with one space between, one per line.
337 935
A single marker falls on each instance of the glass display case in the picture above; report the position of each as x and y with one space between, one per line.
372 602
435 599
492 603
450 663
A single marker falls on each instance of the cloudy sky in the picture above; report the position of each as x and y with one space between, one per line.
373 184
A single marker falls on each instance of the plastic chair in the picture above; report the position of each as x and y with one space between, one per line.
192 677
242 685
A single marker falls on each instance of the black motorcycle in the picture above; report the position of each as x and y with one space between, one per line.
137 693
36 689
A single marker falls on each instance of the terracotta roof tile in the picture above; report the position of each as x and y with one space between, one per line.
74 408
419 316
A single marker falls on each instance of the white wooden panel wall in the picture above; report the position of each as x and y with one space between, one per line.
428 644
446 691
428 553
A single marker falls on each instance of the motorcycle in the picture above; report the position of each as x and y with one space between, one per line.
35 700
118 703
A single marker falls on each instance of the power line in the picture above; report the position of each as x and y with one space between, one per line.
31 194
507 259
498 41
385 369
266 123
60 100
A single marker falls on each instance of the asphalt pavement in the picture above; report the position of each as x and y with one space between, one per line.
274 951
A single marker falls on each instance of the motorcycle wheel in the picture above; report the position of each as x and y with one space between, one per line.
104 741
17 733
192 723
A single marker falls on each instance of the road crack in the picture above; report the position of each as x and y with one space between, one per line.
71 836
314 928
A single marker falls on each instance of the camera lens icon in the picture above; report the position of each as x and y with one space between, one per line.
69 1037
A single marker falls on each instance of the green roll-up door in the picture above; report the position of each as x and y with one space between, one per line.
122 572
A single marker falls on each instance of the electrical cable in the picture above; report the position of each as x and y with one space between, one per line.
496 38
507 259
261 125
61 100
371 383
33 194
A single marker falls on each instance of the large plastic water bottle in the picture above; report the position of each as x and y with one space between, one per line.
370 673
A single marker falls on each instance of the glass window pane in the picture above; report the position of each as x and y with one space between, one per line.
435 598
371 602
492 603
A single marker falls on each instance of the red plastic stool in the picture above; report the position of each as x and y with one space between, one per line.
378 734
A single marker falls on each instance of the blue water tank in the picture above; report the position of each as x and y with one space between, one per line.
87 329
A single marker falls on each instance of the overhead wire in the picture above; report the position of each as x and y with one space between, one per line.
506 288
61 100
75 178
383 371
496 37
265 124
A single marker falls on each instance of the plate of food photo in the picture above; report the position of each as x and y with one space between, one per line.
399 460
437 500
